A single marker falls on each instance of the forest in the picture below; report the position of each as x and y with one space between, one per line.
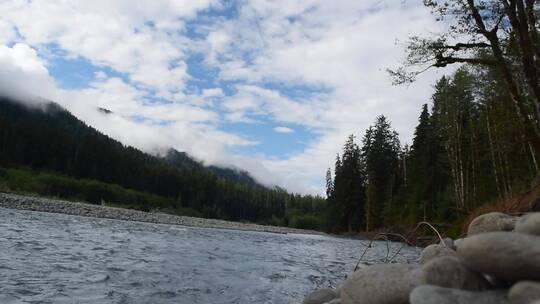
477 142
47 151
477 139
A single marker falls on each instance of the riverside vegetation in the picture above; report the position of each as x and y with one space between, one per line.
472 164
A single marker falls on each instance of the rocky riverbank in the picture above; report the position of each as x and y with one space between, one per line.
497 263
14 201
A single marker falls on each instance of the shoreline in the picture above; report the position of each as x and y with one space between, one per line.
41 204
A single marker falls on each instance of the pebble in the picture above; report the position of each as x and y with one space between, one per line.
524 292
428 294
321 296
493 221
505 255
381 284
529 224
434 251
448 271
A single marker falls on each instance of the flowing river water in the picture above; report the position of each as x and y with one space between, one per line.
56 258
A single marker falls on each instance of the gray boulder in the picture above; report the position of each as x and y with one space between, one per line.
434 251
529 224
334 301
493 221
428 294
320 296
381 284
504 255
524 292
448 271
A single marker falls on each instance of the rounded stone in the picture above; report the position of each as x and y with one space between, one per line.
448 271
428 294
505 255
529 224
320 296
381 284
524 292
493 221
434 251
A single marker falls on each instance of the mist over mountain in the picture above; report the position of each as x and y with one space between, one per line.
48 138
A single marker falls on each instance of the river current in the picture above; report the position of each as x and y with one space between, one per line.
56 258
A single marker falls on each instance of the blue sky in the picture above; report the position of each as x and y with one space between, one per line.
272 87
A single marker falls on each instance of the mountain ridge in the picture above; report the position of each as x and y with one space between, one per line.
48 139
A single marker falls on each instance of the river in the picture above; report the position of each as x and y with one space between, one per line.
56 258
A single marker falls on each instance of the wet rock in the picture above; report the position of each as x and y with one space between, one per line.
504 255
493 221
529 224
524 292
428 294
448 271
381 284
334 301
320 296
456 242
435 251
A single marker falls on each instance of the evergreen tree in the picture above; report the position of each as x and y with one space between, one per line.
426 173
329 183
381 150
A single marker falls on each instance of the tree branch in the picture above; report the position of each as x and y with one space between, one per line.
459 46
442 61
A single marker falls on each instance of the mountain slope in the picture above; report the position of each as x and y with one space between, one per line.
50 139
183 161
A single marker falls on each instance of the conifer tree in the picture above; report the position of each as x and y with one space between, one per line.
380 149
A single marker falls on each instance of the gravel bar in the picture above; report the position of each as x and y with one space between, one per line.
15 201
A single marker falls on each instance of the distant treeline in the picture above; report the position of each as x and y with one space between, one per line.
468 149
51 152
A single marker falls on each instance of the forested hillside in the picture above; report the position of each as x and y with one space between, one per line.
47 150
477 141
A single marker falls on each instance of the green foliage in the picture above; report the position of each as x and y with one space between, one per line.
90 166
471 148
297 219
91 191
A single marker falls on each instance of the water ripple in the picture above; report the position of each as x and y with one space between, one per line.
55 258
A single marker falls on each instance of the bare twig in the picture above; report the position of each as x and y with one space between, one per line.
404 239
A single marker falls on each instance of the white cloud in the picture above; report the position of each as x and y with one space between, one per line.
343 47
284 130
338 48
142 39
23 74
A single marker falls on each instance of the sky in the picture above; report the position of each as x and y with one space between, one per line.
271 87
